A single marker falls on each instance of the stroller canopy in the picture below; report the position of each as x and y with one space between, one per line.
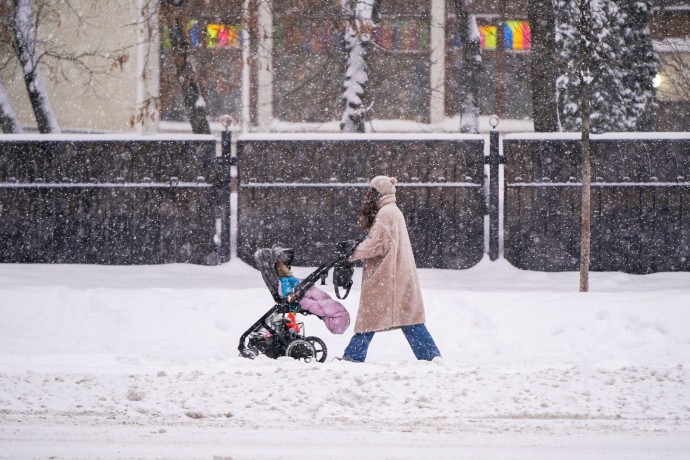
265 260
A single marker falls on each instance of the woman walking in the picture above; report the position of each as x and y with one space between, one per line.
391 297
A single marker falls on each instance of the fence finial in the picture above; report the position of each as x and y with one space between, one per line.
493 121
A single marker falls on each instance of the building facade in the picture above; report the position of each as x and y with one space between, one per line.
100 70
271 65
670 28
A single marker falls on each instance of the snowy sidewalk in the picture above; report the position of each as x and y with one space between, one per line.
141 362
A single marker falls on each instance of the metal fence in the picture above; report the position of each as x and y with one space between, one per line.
305 190
112 200
163 199
640 217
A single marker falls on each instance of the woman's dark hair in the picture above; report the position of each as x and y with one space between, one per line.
370 206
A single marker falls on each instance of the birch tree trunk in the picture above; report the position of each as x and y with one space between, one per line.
8 119
359 25
24 44
470 69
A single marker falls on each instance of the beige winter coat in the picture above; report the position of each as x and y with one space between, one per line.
391 296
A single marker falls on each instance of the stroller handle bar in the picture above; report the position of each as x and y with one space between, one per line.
343 251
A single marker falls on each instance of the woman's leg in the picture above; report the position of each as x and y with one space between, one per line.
421 342
358 347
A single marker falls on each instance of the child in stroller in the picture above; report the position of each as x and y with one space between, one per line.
277 333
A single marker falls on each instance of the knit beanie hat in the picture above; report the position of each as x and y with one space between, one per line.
384 185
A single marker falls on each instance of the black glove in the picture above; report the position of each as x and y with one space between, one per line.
342 278
342 274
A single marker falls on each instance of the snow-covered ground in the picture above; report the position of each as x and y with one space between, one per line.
142 362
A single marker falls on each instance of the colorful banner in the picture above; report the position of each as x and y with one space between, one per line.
222 36
488 37
305 36
217 36
409 35
517 35
165 37
193 32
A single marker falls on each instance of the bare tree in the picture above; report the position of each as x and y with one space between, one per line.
674 75
470 69
185 67
361 17
8 119
24 45
674 56
33 47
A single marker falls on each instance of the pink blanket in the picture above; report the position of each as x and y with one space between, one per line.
332 312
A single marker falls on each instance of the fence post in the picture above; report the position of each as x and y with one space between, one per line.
223 182
494 161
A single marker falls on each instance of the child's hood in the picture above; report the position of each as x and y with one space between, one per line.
283 253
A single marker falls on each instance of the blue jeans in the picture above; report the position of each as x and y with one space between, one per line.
417 335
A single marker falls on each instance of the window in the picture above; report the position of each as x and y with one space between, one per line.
403 35
305 35
516 36
202 33
505 78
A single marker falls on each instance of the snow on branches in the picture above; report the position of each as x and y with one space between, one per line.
359 26
616 45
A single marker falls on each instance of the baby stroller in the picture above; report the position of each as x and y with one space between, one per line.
275 334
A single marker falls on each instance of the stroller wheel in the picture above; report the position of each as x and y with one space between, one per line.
249 352
300 349
320 350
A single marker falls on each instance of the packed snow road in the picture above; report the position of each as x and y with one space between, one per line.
475 439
